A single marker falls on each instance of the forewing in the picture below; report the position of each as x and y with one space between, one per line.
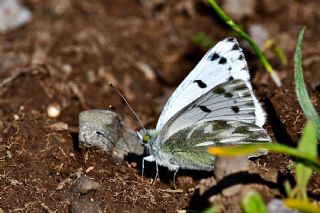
222 63
188 147
231 100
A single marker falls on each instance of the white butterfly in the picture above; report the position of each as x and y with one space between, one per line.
213 106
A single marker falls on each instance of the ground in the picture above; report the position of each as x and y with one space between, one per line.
70 51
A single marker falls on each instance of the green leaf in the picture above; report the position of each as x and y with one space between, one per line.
212 209
302 205
244 35
287 188
307 145
302 157
252 203
301 89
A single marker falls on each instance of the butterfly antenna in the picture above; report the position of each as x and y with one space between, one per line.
125 115
125 100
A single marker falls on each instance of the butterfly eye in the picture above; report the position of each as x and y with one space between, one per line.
146 138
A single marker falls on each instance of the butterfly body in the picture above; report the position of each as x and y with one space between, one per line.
213 106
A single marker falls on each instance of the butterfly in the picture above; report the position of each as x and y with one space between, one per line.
213 106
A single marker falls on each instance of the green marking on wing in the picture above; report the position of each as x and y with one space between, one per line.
190 144
218 89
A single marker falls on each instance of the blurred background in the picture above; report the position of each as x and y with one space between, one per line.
60 55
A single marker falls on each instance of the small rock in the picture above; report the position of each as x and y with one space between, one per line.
89 169
8 154
67 69
238 9
91 76
148 72
53 110
191 190
84 206
85 185
16 117
12 15
225 166
59 126
259 34
277 206
104 129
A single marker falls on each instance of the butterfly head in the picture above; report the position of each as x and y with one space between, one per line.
147 136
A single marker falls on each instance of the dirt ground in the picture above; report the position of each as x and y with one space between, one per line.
70 51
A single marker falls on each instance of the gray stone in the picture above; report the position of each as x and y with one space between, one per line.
277 206
239 8
259 34
225 166
13 15
85 185
104 129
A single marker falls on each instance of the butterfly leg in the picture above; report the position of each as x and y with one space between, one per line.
157 173
149 158
174 168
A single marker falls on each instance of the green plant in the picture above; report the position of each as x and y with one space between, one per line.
252 203
301 89
300 155
306 153
271 43
244 35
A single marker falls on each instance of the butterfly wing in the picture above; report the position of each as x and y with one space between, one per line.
222 63
231 100
187 148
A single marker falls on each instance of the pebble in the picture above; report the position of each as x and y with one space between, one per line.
104 129
239 9
85 185
8 154
277 206
12 15
259 34
59 126
225 166
53 110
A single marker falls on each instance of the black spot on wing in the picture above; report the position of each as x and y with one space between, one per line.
230 78
222 60
229 68
200 83
214 56
231 39
235 109
205 109
241 57
235 46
